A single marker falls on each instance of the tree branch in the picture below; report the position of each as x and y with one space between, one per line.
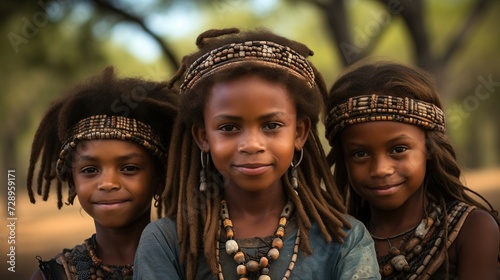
465 31
171 59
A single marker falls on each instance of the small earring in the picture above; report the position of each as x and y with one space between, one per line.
203 178
294 176
156 198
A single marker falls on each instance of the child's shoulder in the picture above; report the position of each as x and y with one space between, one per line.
477 243
478 222
356 224
357 231
166 226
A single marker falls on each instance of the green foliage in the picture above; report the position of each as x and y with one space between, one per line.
52 45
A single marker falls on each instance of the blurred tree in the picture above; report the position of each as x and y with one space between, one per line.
52 42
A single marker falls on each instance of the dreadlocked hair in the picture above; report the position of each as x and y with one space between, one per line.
442 183
145 101
197 213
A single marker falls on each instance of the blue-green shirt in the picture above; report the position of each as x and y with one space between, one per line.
157 256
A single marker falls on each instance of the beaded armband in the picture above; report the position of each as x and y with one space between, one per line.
264 52
109 127
369 108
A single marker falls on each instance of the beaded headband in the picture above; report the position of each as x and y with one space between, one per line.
264 52
109 127
369 108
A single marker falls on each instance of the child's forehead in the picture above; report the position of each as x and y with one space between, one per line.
104 146
248 90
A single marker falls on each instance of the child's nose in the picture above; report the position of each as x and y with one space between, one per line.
381 166
109 181
251 143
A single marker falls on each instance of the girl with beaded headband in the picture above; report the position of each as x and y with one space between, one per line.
107 138
398 171
264 205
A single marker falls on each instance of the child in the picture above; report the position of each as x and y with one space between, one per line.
264 204
399 173
107 138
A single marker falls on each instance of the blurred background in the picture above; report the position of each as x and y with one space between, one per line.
48 45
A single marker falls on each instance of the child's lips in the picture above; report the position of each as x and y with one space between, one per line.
110 204
385 189
252 169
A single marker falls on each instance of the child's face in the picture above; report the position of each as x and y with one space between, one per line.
114 181
251 131
385 161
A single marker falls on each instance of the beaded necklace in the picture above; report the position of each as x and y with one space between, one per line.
410 245
419 250
245 265
392 249
102 271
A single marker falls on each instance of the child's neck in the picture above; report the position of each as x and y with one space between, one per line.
118 246
391 222
255 214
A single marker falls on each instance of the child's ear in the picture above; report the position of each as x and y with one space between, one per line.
302 132
200 137
71 187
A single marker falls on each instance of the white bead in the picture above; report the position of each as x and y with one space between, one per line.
231 247
421 230
399 262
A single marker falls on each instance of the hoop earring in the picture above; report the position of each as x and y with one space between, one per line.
203 178
294 176
156 198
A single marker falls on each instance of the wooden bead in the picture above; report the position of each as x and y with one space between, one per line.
394 251
239 257
263 262
227 223
411 244
252 266
430 222
282 221
231 247
386 270
273 254
277 243
241 270
264 277
417 250
280 232
229 233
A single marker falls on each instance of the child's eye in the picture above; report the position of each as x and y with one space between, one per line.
130 168
272 126
89 170
399 149
359 154
228 127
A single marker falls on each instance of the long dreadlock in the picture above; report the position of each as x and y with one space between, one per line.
145 101
197 213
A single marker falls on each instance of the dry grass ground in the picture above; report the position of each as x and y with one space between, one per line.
43 230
